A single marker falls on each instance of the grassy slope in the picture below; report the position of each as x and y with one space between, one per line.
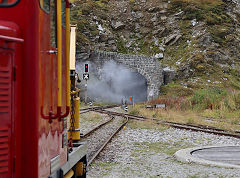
217 20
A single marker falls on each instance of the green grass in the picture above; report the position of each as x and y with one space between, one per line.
134 112
157 147
208 98
104 164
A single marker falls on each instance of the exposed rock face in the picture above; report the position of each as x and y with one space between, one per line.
197 38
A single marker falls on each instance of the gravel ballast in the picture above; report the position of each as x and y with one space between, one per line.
98 137
90 120
149 153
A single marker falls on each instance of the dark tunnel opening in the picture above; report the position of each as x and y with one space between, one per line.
135 85
114 82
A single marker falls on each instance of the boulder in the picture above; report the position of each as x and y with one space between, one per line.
159 31
172 39
205 40
159 56
154 9
116 25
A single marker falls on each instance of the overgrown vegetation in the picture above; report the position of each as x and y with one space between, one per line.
202 99
217 107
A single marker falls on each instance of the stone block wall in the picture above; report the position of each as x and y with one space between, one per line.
148 67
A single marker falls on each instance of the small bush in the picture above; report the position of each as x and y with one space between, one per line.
134 112
178 103
208 98
232 101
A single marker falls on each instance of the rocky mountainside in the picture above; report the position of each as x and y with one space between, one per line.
200 39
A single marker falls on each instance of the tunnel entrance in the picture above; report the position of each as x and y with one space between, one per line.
135 85
113 82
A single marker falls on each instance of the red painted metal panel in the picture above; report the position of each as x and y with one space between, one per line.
10 94
5 113
35 87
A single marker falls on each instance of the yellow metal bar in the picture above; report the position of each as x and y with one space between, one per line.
79 169
75 131
69 174
76 109
68 51
59 53
75 135
74 92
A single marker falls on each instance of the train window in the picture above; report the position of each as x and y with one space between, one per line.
53 23
45 5
64 13
8 3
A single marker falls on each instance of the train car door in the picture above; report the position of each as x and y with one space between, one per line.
6 108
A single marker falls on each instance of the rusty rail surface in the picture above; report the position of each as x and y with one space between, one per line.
97 127
106 142
200 128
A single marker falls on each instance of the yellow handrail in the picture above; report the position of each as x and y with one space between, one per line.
75 92
68 51
59 54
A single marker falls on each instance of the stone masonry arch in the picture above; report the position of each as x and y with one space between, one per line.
148 67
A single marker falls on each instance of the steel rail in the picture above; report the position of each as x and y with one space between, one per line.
85 110
130 116
106 142
198 128
97 127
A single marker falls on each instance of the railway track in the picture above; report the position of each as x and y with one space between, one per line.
85 110
107 130
98 137
96 128
199 128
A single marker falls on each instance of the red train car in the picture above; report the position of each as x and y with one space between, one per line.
33 86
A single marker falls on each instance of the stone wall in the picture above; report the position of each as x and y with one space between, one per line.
148 67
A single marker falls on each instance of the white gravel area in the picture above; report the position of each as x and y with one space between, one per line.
149 153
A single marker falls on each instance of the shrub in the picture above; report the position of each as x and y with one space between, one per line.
208 98
134 112
175 102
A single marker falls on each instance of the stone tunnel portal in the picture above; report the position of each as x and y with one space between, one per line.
135 85
148 67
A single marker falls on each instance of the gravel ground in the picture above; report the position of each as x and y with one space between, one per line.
97 139
149 153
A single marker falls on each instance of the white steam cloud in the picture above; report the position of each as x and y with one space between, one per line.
113 82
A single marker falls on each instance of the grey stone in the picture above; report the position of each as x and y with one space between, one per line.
154 19
163 17
111 42
154 9
205 40
116 25
172 39
159 55
163 11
